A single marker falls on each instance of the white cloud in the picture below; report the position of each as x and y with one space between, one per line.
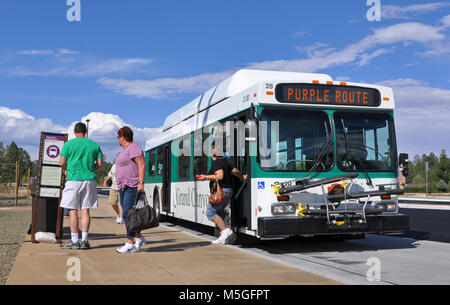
359 52
103 129
400 82
365 58
66 62
25 130
18 125
411 64
67 52
301 34
316 50
36 52
164 87
422 114
343 78
81 67
445 21
437 48
406 12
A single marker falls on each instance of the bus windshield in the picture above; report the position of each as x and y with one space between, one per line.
295 140
365 141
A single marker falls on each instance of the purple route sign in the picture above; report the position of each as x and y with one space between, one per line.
53 145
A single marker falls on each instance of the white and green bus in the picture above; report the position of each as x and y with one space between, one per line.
320 156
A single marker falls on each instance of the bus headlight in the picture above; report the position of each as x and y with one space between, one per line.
391 207
278 209
387 206
289 209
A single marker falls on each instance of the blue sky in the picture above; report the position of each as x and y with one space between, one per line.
135 62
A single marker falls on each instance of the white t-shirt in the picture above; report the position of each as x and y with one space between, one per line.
112 174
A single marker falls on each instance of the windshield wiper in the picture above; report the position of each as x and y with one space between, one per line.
324 151
355 157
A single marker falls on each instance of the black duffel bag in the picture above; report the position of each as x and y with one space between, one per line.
141 216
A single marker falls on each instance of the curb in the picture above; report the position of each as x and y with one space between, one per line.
424 201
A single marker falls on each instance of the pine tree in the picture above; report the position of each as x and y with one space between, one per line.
441 186
10 155
444 167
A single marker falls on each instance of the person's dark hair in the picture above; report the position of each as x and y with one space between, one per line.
126 132
80 128
216 151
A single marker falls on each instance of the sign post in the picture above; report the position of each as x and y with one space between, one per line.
16 190
427 167
50 176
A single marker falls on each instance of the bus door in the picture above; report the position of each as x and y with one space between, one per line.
241 160
166 178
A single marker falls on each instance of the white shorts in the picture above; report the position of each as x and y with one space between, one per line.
79 195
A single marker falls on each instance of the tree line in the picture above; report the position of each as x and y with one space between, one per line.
11 153
8 157
438 173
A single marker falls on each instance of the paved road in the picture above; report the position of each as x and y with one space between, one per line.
402 259
428 222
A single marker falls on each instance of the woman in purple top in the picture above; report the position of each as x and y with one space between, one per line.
130 171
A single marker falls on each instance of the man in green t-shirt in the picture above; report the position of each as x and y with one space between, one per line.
80 191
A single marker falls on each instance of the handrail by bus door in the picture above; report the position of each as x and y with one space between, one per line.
240 189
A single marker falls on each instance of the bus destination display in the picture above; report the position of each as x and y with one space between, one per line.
327 95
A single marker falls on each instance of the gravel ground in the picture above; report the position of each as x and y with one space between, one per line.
14 224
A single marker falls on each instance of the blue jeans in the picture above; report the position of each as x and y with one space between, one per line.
213 210
127 199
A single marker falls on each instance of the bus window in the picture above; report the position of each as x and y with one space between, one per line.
368 142
295 140
200 158
160 161
152 163
184 159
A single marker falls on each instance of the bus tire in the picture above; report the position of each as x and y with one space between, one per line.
157 206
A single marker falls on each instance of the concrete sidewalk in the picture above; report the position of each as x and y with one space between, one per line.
170 258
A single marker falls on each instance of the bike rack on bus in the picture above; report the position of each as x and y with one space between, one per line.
306 183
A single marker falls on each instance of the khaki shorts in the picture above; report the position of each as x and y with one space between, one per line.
113 197
79 195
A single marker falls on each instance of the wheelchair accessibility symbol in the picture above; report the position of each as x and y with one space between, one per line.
261 185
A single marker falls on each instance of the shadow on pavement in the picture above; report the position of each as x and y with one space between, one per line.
174 247
310 245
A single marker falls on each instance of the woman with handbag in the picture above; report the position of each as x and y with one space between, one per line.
130 171
221 192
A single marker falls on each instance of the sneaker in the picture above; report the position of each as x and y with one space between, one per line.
223 236
119 219
140 241
70 245
85 245
127 248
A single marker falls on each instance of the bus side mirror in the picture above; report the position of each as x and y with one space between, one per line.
403 162
403 159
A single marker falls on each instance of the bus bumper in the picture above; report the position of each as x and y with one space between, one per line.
292 225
